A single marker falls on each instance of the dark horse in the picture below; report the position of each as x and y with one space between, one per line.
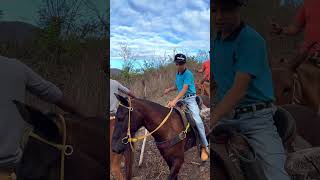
150 115
42 161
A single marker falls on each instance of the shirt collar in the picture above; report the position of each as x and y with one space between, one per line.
182 71
233 35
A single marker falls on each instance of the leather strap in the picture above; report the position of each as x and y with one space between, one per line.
182 115
166 144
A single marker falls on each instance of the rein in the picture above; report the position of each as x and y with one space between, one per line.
129 139
66 150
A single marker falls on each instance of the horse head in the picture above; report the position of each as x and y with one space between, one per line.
38 157
119 137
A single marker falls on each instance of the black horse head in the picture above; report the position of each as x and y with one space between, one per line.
38 157
121 126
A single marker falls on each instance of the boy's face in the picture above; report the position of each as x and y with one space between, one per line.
226 16
180 67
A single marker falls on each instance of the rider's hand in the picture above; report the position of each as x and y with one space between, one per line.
172 104
276 28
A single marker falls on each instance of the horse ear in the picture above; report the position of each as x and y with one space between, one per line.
122 100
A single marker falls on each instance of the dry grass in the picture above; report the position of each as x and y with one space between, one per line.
80 79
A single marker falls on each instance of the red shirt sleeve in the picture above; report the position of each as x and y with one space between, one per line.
203 66
301 16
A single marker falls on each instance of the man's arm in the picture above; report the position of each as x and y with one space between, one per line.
49 92
232 98
179 96
182 93
293 29
125 90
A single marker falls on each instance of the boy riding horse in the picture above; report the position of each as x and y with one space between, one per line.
307 20
245 92
187 91
205 81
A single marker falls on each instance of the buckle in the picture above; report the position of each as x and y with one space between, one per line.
182 136
125 140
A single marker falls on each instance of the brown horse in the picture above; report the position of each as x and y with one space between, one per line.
150 115
116 159
42 161
307 126
297 82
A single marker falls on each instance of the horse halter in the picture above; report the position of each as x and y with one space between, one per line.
128 138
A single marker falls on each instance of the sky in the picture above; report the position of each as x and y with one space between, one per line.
153 28
291 2
27 10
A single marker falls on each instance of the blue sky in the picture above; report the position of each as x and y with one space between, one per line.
154 28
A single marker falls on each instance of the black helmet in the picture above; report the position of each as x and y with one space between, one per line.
180 59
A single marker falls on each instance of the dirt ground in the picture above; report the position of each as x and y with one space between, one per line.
154 166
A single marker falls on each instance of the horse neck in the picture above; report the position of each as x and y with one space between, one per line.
152 115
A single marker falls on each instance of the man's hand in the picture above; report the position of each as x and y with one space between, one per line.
199 70
172 103
276 28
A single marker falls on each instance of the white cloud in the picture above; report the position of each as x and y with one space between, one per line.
155 27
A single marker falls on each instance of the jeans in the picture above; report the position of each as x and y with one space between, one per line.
259 128
193 107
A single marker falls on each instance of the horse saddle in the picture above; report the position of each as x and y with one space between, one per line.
232 150
186 116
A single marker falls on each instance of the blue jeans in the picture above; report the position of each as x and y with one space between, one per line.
193 107
259 127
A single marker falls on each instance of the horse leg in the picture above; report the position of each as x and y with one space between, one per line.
175 166
115 166
128 163
114 157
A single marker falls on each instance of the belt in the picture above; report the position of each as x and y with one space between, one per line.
189 95
252 108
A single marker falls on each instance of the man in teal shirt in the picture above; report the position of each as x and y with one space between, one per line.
187 92
245 92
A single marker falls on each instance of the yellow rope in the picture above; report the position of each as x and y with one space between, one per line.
149 134
133 140
130 139
62 147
